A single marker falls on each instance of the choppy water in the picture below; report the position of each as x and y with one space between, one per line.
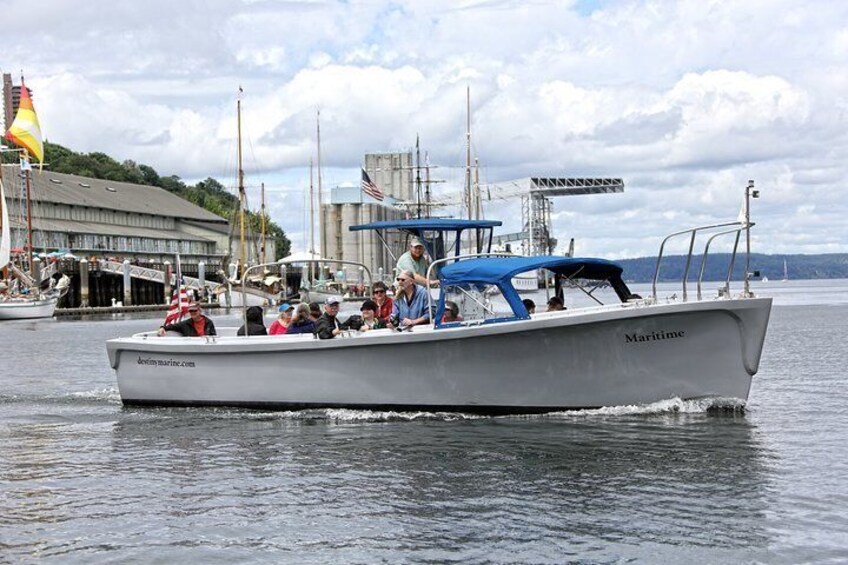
85 481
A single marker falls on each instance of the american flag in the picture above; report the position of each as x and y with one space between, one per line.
179 306
370 188
179 299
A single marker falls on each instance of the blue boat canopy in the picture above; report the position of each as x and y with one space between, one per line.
417 224
499 270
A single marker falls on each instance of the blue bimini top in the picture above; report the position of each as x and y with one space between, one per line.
500 270
436 224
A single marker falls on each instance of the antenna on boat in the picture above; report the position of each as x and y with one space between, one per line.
749 194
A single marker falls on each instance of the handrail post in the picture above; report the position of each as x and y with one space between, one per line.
749 191
732 263
688 262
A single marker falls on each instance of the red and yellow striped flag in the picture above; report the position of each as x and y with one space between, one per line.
25 130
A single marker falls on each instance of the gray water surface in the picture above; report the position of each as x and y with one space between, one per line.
84 480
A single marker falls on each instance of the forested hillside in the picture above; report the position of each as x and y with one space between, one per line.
209 194
824 266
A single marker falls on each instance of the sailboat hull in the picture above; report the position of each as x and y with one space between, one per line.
25 309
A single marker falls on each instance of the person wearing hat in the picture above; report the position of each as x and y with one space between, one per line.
414 260
281 324
327 326
366 320
196 325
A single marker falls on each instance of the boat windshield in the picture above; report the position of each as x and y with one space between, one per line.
582 293
473 303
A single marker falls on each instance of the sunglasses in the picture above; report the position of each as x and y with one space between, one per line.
379 292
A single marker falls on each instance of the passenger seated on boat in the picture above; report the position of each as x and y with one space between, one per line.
196 325
314 311
281 324
384 302
530 305
301 323
555 304
328 325
451 312
368 319
411 305
255 323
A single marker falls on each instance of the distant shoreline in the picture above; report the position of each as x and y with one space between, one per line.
806 267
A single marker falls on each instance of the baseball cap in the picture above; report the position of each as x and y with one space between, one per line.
415 242
284 307
332 300
193 307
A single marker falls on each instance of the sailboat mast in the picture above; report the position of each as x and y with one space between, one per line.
29 219
417 177
468 159
427 209
242 195
320 201
311 224
262 249
478 203
468 150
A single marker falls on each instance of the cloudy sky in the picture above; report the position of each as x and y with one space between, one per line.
684 100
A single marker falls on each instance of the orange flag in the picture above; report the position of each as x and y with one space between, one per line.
25 131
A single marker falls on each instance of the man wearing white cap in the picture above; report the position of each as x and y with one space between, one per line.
327 326
414 260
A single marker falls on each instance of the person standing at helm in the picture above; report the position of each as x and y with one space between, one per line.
415 261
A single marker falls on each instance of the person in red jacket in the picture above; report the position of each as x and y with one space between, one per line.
384 302
196 325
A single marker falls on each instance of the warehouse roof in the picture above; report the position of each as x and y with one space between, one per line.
73 226
75 190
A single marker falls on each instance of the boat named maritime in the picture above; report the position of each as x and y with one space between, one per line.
619 348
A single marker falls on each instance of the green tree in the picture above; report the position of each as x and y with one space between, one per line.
209 194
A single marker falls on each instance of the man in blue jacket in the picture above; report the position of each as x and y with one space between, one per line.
412 305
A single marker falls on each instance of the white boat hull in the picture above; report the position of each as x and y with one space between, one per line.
25 309
628 354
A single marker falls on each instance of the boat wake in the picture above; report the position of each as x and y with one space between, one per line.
109 394
669 406
663 407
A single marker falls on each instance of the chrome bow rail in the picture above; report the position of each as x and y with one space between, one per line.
741 225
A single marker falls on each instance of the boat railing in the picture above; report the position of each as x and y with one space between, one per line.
281 263
740 226
320 261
